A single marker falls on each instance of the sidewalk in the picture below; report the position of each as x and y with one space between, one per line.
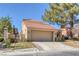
7 52
35 52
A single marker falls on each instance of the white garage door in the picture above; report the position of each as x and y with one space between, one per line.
41 36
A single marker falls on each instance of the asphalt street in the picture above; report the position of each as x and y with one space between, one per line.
53 53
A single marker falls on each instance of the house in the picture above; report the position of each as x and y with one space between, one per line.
37 31
76 30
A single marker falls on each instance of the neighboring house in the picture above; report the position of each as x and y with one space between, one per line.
64 31
76 30
37 31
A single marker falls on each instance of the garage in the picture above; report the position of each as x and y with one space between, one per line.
37 31
41 35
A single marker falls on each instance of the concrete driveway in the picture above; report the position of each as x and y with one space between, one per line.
47 46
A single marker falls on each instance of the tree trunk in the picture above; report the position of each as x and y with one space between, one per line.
71 26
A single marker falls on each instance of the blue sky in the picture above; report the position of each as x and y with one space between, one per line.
19 11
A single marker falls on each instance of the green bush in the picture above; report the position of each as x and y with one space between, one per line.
12 40
28 40
7 43
11 37
1 39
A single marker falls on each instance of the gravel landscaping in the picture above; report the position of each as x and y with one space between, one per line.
72 43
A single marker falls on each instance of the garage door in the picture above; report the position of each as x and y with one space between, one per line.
41 36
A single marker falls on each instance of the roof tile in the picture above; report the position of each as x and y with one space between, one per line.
36 24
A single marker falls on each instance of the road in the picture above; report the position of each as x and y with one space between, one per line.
52 53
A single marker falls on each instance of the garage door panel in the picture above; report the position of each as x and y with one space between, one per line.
41 36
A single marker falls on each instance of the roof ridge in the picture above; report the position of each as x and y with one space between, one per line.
39 22
32 20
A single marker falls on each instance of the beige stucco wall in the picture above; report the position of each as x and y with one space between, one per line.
24 31
36 34
64 31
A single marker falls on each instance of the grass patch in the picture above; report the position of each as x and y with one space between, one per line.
22 45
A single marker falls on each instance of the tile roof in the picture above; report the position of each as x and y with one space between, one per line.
38 25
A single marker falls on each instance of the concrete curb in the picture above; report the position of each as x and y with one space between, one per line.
35 52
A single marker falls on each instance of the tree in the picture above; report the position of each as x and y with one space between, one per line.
54 14
5 22
61 13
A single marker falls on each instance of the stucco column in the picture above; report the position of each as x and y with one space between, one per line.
29 34
54 36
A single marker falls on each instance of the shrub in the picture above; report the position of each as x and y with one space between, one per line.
12 40
1 39
28 40
7 44
77 38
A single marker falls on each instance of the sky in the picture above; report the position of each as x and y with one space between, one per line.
18 12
